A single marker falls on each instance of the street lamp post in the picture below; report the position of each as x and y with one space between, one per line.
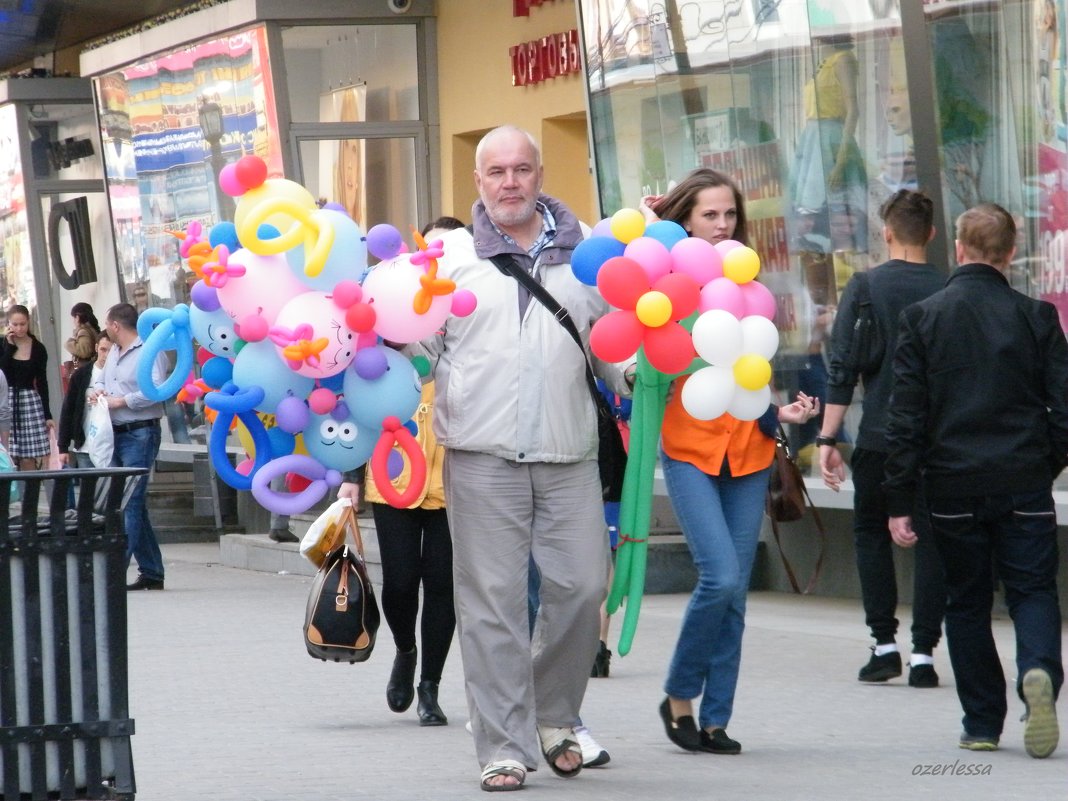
210 116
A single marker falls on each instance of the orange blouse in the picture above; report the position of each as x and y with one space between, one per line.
705 443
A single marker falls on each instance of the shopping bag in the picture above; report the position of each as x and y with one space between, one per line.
328 531
8 466
99 437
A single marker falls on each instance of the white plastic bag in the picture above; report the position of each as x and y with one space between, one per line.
99 438
324 534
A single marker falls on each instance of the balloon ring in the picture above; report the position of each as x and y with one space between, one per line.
233 400
220 430
172 333
393 433
288 503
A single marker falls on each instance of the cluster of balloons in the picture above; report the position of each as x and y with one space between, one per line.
659 278
682 306
291 349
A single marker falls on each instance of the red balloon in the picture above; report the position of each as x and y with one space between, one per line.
682 291
360 317
203 354
297 483
616 336
669 348
622 281
251 171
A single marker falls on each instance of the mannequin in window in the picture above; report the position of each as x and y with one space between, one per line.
1046 50
829 169
899 165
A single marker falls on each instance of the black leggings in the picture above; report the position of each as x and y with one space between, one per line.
416 546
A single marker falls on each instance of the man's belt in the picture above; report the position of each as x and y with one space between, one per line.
122 428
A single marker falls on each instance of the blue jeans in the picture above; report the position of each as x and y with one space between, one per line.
139 448
720 518
1018 534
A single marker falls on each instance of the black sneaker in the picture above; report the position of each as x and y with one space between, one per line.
718 742
881 668
922 676
144 583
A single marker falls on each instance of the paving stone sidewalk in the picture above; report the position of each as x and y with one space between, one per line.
229 707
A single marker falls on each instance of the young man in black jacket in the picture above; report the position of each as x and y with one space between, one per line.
979 419
904 279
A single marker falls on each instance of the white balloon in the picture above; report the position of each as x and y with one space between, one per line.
749 404
717 337
760 335
708 392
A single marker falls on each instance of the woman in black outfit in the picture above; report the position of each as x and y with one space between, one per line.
24 362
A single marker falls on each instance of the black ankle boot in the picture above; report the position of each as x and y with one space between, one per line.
430 713
400 692
600 662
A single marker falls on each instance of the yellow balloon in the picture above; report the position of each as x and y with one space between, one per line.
627 224
291 209
741 264
752 371
653 309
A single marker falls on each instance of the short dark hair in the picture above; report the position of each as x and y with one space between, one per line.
444 223
909 215
679 201
987 232
124 314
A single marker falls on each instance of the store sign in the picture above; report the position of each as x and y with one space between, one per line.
521 8
545 58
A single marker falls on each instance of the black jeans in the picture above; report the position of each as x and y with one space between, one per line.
875 561
416 547
1017 534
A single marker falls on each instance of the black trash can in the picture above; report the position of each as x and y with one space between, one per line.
65 725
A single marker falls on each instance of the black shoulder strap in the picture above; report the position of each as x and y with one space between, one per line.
509 266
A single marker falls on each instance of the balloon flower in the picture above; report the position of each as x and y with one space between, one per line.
659 279
289 356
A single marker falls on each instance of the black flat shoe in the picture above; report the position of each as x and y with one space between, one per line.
400 692
430 713
144 583
719 743
681 731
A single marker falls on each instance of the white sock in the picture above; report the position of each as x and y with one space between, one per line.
921 659
886 648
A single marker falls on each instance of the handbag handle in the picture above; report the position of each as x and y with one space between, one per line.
348 520
783 442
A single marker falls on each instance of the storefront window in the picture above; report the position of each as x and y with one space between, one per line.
806 103
376 65
16 264
169 125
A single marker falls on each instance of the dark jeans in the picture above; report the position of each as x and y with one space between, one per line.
875 561
416 546
1017 534
139 448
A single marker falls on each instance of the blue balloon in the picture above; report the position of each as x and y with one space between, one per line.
217 371
267 231
590 254
258 364
339 444
347 259
666 232
335 383
214 331
282 443
393 394
224 233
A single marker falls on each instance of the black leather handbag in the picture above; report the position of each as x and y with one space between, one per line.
342 617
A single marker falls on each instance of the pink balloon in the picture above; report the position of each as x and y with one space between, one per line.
322 400
463 302
245 467
327 322
758 300
653 257
228 181
723 293
698 259
727 245
391 288
267 285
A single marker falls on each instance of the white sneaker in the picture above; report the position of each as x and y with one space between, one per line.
593 755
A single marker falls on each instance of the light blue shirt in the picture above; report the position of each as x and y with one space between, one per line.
120 379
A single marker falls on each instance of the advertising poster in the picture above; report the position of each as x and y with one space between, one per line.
1051 183
163 154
